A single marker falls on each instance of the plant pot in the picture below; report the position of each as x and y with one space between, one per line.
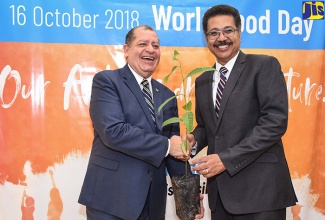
186 190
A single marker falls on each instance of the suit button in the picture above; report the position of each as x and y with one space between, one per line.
149 171
236 167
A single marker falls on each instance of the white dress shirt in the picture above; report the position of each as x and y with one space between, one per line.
216 75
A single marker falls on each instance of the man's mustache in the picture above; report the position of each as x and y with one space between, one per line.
222 43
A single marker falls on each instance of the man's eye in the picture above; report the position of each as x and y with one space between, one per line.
228 31
214 33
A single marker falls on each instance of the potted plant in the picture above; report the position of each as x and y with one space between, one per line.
186 187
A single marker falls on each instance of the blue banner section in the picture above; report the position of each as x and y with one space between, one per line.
267 24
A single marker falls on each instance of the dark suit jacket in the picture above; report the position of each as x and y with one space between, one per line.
247 136
128 153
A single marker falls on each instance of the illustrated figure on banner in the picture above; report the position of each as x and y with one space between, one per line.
55 206
27 206
241 114
126 174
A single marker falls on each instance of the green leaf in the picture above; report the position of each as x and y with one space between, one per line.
172 71
176 53
188 106
165 102
199 70
171 121
188 119
184 145
166 78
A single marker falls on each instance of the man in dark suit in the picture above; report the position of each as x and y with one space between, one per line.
248 176
126 175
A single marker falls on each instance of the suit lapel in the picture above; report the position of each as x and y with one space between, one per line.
157 99
133 85
231 82
210 97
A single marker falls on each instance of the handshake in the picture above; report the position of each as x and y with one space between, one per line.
181 146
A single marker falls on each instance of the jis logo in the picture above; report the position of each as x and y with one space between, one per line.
313 10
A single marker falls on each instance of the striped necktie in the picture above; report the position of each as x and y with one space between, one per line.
221 86
148 98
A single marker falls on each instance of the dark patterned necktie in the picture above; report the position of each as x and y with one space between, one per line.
221 86
148 98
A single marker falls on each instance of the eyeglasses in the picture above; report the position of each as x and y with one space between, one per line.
227 32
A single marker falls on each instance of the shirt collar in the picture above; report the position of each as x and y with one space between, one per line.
138 77
229 65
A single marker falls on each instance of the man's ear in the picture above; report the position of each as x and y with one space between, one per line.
126 50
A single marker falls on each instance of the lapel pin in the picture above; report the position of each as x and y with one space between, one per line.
157 90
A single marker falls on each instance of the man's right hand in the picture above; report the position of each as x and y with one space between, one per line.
176 149
190 138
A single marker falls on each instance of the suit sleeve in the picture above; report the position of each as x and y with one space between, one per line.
199 132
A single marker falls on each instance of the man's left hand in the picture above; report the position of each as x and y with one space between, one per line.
209 165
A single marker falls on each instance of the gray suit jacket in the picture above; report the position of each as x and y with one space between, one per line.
247 136
128 152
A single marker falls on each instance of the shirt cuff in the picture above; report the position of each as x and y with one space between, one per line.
194 150
168 148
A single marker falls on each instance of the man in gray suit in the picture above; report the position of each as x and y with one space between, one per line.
248 175
126 174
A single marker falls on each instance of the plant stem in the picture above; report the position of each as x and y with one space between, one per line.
186 168
185 100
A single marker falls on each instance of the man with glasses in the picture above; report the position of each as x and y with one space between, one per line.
242 114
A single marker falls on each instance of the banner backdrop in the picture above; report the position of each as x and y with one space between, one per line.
50 51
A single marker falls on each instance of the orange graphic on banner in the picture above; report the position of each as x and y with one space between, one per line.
45 91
